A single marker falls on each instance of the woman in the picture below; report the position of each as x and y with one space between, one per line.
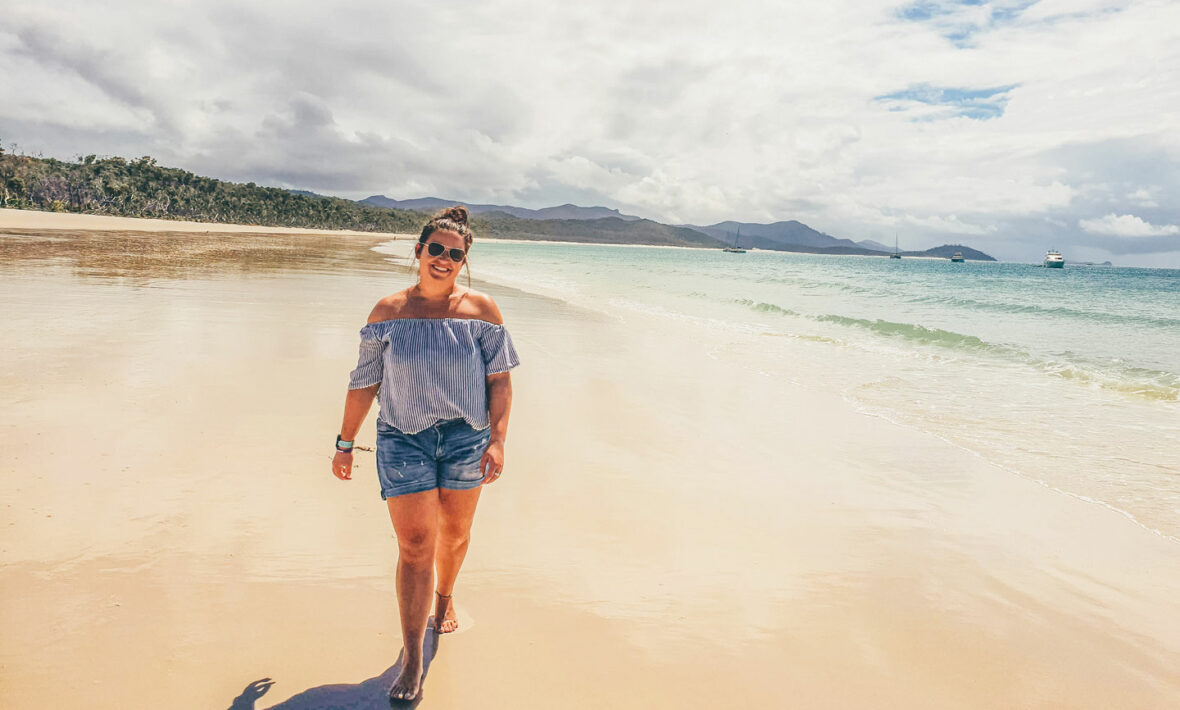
438 356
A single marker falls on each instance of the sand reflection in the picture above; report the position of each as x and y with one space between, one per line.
174 255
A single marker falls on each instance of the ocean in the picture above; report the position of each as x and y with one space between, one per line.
1067 377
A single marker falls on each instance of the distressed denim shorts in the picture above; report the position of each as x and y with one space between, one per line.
444 455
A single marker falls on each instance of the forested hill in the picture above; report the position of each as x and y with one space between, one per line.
140 188
947 250
606 230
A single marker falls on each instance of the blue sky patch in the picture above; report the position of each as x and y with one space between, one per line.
958 22
923 10
978 104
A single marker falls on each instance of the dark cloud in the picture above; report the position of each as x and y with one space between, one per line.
1107 176
1122 165
114 74
301 145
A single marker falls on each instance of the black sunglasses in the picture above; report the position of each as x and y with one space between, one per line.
434 249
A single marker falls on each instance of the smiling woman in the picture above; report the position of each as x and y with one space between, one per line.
438 355
445 226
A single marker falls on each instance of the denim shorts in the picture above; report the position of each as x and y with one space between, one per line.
444 455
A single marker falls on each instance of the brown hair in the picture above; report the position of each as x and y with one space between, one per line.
451 219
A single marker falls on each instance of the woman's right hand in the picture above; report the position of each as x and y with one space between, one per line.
342 465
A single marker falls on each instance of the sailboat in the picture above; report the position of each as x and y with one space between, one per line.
734 249
896 254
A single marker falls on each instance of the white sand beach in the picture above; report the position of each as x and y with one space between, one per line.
671 531
23 220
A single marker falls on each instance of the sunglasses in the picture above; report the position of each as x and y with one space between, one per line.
435 249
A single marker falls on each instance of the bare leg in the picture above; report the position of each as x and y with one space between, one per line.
455 513
415 520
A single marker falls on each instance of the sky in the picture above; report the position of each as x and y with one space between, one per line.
1012 126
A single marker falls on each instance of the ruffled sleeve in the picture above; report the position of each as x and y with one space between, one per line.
369 366
499 355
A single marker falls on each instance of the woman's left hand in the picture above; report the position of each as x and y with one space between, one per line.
492 462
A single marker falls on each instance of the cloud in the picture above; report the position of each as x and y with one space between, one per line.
850 115
961 20
979 104
1144 197
1126 225
949 225
94 65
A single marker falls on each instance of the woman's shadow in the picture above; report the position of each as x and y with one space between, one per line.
372 694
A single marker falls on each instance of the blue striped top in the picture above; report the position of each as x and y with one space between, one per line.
432 368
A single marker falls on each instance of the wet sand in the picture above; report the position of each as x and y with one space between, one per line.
23 220
671 530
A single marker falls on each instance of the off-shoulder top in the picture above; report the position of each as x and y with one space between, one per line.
432 368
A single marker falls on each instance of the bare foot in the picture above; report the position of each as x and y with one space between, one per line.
445 620
408 683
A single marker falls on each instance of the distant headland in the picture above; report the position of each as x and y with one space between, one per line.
142 188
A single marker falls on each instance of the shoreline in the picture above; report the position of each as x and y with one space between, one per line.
14 220
513 240
30 220
888 568
1008 470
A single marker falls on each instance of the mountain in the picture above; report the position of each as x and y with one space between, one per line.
870 244
943 252
568 211
141 188
612 230
606 230
772 236
422 204
946 250
838 250
571 223
431 204
798 237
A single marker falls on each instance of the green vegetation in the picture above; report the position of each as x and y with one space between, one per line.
141 188
947 250
606 230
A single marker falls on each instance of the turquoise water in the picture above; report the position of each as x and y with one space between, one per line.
1070 377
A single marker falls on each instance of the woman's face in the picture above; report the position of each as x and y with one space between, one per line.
440 269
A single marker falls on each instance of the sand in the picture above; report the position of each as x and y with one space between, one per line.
23 220
671 530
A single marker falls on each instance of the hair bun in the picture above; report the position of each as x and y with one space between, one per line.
457 214
451 219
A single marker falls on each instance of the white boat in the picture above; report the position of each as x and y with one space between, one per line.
1054 260
896 254
957 257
